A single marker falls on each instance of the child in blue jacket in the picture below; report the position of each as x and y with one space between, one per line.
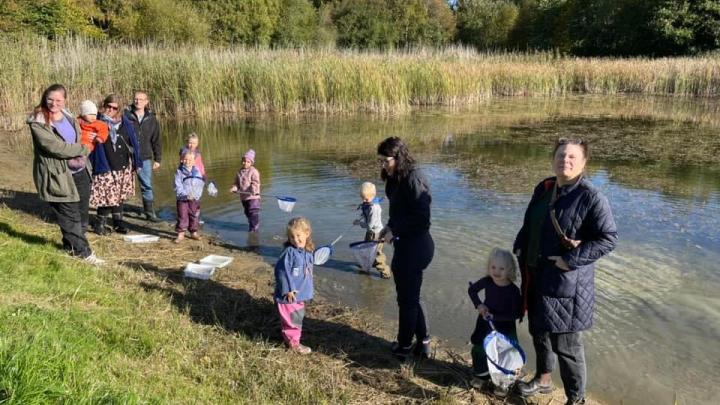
294 282
189 185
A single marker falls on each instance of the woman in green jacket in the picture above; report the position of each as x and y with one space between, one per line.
60 168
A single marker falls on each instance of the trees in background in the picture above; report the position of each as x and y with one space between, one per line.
486 24
579 27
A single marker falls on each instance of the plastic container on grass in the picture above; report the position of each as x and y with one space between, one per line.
216 260
142 238
199 271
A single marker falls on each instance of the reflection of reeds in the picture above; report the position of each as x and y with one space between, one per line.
204 81
504 148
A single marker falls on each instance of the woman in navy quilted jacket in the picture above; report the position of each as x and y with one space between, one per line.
568 226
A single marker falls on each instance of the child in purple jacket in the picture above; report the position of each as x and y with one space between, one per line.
247 185
503 303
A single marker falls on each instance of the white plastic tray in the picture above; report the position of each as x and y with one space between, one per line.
216 260
199 271
142 238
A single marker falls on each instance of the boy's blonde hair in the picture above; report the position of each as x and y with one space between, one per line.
192 135
508 259
367 190
301 224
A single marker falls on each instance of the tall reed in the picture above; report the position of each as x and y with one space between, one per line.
203 81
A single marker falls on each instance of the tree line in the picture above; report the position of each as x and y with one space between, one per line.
575 27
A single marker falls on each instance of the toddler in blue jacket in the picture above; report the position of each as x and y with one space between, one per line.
189 185
294 282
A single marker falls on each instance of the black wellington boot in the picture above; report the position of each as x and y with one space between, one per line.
100 225
149 212
119 224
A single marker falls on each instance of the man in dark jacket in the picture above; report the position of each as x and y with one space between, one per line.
147 129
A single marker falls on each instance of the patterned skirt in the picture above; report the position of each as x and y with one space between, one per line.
112 188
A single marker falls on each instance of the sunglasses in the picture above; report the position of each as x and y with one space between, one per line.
384 160
112 107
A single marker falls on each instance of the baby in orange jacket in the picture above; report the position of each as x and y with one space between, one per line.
92 130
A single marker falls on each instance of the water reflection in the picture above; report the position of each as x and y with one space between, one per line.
657 320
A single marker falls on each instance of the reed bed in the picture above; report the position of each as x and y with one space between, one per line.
203 81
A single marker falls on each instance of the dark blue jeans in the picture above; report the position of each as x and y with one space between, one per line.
412 256
145 177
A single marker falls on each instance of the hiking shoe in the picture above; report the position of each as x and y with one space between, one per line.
480 381
575 401
399 352
301 349
94 260
533 387
499 391
422 348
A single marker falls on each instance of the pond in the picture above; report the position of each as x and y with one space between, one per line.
657 318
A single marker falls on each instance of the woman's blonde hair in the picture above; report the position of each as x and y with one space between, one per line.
300 224
508 259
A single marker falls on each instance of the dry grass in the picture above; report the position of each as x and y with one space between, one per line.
205 81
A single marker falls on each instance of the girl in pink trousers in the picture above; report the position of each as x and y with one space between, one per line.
294 282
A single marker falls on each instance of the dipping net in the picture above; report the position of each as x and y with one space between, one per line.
505 358
365 253
286 203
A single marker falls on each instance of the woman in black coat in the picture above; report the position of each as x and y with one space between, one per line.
408 229
568 226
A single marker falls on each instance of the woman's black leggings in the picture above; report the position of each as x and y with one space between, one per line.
411 258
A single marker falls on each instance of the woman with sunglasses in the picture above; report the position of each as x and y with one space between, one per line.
568 226
114 164
408 229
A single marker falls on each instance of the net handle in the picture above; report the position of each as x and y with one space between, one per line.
279 197
341 235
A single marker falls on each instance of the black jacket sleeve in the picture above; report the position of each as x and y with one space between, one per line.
155 141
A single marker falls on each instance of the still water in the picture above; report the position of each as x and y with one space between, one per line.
657 318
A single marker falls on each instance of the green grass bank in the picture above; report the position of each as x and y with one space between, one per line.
202 81
70 333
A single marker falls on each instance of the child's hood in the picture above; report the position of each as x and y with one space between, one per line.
97 125
299 253
193 171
